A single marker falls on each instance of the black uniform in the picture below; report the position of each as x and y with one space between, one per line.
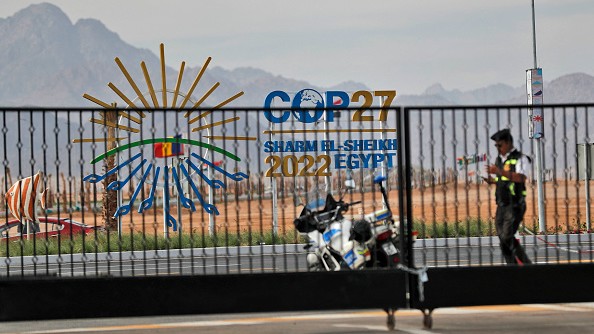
511 206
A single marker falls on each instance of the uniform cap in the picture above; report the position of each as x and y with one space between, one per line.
502 135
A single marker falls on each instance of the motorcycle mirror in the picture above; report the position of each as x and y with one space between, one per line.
379 179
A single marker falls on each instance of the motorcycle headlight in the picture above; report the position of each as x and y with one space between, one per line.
312 259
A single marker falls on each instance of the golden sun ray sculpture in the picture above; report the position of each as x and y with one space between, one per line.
147 165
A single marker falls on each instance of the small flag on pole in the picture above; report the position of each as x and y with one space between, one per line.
164 150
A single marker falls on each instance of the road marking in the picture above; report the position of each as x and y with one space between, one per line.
492 308
385 329
331 316
565 308
576 307
230 322
216 323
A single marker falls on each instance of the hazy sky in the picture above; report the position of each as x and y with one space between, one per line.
405 45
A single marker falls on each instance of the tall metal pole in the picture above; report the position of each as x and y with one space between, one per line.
542 226
534 36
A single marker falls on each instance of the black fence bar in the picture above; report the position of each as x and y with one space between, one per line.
450 208
243 179
454 208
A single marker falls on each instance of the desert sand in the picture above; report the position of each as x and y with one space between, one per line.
565 208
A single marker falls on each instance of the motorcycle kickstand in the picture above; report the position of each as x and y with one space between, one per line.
391 321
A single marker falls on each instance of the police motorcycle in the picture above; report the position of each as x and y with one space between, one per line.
384 250
336 243
328 239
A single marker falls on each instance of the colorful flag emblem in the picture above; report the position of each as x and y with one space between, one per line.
164 150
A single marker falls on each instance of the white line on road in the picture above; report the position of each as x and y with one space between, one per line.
150 326
385 329
573 307
557 307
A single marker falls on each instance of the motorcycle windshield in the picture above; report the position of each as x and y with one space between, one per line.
330 203
316 204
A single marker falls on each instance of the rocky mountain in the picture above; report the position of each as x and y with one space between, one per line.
488 95
570 88
50 61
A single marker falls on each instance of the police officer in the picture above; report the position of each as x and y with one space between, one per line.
510 176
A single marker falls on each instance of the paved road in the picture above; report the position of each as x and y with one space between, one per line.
485 250
537 319
288 258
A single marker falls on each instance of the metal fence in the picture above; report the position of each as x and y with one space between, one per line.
455 208
117 180
195 197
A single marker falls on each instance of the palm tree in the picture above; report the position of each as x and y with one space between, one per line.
110 197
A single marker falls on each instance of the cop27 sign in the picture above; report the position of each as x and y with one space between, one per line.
310 98
299 157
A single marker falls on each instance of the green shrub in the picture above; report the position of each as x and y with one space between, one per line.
471 227
102 242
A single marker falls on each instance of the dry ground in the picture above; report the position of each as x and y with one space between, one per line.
564 202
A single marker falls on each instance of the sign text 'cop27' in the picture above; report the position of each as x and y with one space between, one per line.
299 157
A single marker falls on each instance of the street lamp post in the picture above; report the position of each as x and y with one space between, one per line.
536 122
534 36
